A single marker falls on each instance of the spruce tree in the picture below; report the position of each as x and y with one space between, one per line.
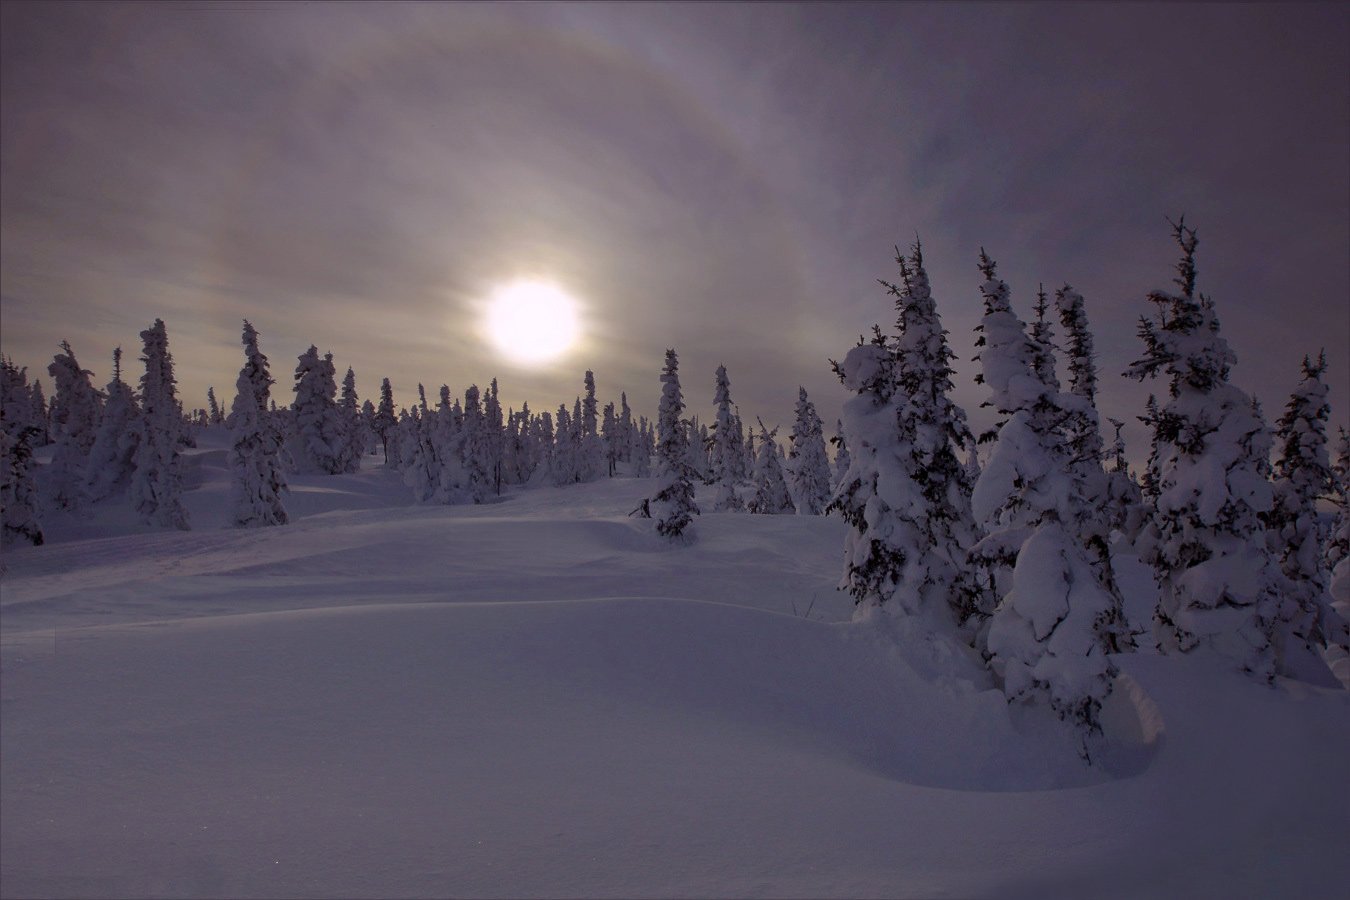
1125 509
257 480
76 407
565 449
1337 549
590 452
421 463
18 492
841 454
18 432
1220 586
1306 622
811 480
17 399
609 438
1101 494
213 414
494 435
905 495
1050 635
42 415
627 429
353 443
319 437
111 457
446 436
642 449
673 504
478 458
386 421
157 485
726 456
771 495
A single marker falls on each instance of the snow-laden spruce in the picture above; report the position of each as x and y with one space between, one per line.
1305 623
810 470
1126 511
1220 584
385 424
905 496
1337 552
18 491
590 451
111 458
1105 495
673 504
1054 625
728 459
771 496
353 444
213 414
18 435
319 440
257 479
841 457
22 403
157 484
75 411
1117 499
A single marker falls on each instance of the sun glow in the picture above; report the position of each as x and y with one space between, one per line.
532 321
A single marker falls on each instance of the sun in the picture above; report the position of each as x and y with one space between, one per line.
532 322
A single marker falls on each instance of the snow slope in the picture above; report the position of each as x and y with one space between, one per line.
539 698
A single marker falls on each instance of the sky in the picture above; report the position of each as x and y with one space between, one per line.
728 180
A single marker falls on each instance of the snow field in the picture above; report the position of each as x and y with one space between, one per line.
539 697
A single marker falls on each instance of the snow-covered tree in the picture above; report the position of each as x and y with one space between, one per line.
18 398
18 433
726 455
157 485
697 446
1102 495
420 459
1338 541
673 504
609 438
841 454
627 429
352 445
213 413
642 448
566 447
905 496
478 456
590 452
76 407
771 495
494 431
257 479
1306 622
18 492
810 472
319 438
1220 585
1055 624
386 420
111 457
1125 509
42 415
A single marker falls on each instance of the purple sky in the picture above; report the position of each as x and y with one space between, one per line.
724 179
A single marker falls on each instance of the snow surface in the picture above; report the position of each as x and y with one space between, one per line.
540 697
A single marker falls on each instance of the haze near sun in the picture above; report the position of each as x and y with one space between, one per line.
532 322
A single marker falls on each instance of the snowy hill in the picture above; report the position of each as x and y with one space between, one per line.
538 697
